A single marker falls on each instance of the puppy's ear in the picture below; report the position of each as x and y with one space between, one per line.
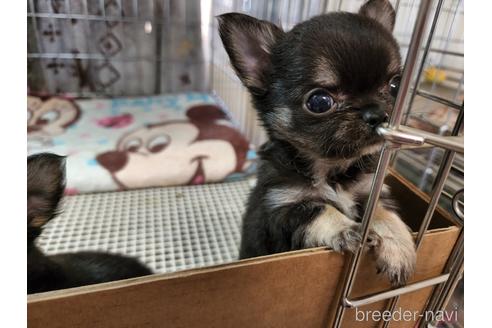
381 11
45 186
248 42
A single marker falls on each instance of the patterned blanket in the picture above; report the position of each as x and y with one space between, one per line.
125 143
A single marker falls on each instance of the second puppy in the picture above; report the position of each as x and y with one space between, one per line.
45 186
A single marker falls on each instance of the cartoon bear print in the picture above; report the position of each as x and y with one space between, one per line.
204 148
49 118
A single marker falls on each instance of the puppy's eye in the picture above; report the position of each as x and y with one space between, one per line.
394 85
319 101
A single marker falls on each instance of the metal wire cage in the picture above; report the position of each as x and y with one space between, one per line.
107 48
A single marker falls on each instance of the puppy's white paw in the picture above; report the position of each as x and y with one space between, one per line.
333 229
396 260
345 240
395 254
350 239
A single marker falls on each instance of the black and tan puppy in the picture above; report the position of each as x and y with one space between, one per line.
45 186
321 90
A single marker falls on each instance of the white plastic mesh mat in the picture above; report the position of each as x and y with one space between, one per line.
169 229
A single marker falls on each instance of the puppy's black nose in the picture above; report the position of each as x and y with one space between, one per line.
373 115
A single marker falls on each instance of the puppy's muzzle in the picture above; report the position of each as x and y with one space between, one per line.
373 115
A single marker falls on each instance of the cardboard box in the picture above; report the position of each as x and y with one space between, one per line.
295 289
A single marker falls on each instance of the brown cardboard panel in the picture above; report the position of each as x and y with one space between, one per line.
259 292
295 289
413 203
291 290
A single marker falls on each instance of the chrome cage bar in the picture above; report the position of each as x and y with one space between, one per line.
396 292
397 137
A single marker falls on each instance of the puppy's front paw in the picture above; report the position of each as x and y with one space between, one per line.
395 254
396 259
333 229
346 240
350 239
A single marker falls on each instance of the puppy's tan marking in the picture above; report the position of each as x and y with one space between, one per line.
38 221
325 76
